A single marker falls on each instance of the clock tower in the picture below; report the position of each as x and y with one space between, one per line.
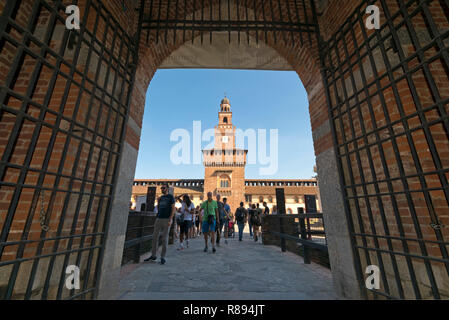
225 164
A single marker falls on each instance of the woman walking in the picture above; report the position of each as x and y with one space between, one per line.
187 209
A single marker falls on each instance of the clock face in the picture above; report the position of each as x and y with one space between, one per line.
224 139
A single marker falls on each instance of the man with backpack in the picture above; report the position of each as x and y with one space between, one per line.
210 220
256 221
241 216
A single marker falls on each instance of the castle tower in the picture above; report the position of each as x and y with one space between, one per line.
225 164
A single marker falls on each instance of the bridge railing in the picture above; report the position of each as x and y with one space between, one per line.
139 235
298 233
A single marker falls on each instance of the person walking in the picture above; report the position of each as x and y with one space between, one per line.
221 214
250 224
266 210
187 208
241 216
164 219
192 231
225 219
255 218
200 221
210 220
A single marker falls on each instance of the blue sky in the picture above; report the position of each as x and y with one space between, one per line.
259 100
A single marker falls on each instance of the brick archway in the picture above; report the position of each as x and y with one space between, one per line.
304 60
70 129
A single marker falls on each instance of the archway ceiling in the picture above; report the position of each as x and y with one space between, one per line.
220 54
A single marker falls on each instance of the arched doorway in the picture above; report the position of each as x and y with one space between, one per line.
72 102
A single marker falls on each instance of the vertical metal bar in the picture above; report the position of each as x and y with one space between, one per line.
158 20
298 20
229 20
202 20
185 19
193 21
282 20
13 140
358 157
272 20
166 21
89 159
306 16
440 107
238 21
150 20
256 21
305 248
264 20
290 21
281 231
211 18
381 152
121 139
67 144
247 21
176 23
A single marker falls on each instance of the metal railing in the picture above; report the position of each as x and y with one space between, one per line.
139 230
308 231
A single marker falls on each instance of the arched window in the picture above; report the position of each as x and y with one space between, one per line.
224 181
296 199
225 120
261 199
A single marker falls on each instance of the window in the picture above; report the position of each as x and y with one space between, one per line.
225 120
260 199
248 198
270 199
224 181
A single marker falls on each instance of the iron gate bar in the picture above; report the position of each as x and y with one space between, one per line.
386 172
429 139
373 174
108 163
322 46
135 57
66 146
126 77
436 96
53 53
14 135
402 238
229 24
423 66
357 207
256 19
88 162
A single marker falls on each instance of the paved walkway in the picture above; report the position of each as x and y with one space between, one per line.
239 270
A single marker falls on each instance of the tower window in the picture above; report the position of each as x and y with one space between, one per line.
225 120
224 181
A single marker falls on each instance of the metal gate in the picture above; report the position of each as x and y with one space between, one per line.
388 97
64 98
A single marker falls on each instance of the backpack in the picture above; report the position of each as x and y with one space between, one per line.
210 217
180 219
239 216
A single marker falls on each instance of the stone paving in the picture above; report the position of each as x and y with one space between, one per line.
239 270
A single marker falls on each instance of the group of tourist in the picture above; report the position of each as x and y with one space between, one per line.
212 219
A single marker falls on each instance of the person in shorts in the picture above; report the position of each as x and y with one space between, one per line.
210 220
